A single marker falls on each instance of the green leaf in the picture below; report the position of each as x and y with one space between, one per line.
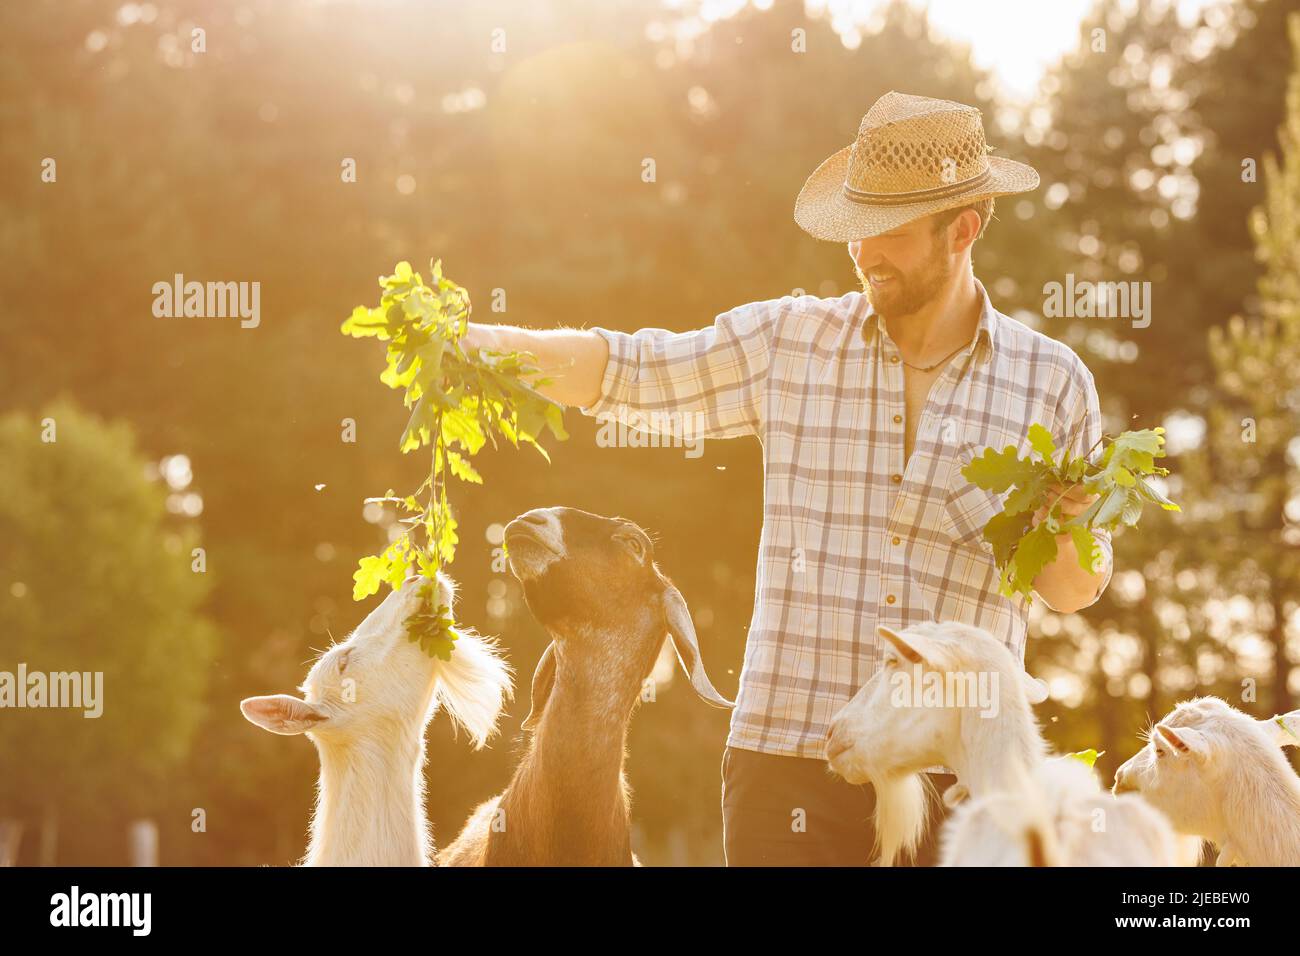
1004 532
1036 551
399 563
370 573
1040 440
540 450
1134 452
1282 723
1148 491
461 427
1086 547
1075 469
365 322
459 403
997 471
1112 506
1117 477
462 469
418 426
1028 496
555 421
1087 756
1132 511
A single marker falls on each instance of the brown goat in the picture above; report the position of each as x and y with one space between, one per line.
592 583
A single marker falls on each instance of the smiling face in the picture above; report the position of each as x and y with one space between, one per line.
906 268
377 674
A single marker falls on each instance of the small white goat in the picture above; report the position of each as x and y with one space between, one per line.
365 705
952 695
1058 815
1220 774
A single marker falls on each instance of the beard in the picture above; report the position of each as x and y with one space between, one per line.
908 293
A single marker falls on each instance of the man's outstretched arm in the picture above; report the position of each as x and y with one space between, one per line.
704 383
574 358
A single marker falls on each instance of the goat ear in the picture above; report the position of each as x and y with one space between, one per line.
682 631
281 714
905 648
1284 728
543 682
1184 741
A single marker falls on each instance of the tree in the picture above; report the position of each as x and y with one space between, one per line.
96 578
1140 142
1254 451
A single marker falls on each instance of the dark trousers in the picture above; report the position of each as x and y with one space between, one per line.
792 811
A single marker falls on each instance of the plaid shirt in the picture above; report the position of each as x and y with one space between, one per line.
853 536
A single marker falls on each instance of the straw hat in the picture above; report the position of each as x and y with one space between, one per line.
913 156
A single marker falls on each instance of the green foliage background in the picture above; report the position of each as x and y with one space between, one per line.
109 588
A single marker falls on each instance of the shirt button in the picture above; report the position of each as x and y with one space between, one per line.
893 359
898 419
897 540
895 478
889 599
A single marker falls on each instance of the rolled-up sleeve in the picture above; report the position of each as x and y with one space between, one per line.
709 381
1079 412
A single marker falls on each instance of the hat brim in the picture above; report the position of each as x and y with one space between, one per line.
825 212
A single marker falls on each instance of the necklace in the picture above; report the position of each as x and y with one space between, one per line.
931 368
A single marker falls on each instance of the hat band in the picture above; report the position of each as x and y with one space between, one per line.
917 195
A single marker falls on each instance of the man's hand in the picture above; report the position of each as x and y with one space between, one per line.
1064 584
573 359
1074 502
478 336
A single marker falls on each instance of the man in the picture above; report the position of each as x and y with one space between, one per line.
867 406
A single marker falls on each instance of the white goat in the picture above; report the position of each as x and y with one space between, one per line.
1220 774
366 704
1058 815
952 695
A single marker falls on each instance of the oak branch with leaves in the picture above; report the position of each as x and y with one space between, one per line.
1023 548
459 402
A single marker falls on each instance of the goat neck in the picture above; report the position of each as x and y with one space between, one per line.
370 806
1259 811
570 787
995 752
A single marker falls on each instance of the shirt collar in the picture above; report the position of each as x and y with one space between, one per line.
988 325
985 331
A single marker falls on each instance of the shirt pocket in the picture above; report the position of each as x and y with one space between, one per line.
968 507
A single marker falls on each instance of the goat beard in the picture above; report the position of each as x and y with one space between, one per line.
902 810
